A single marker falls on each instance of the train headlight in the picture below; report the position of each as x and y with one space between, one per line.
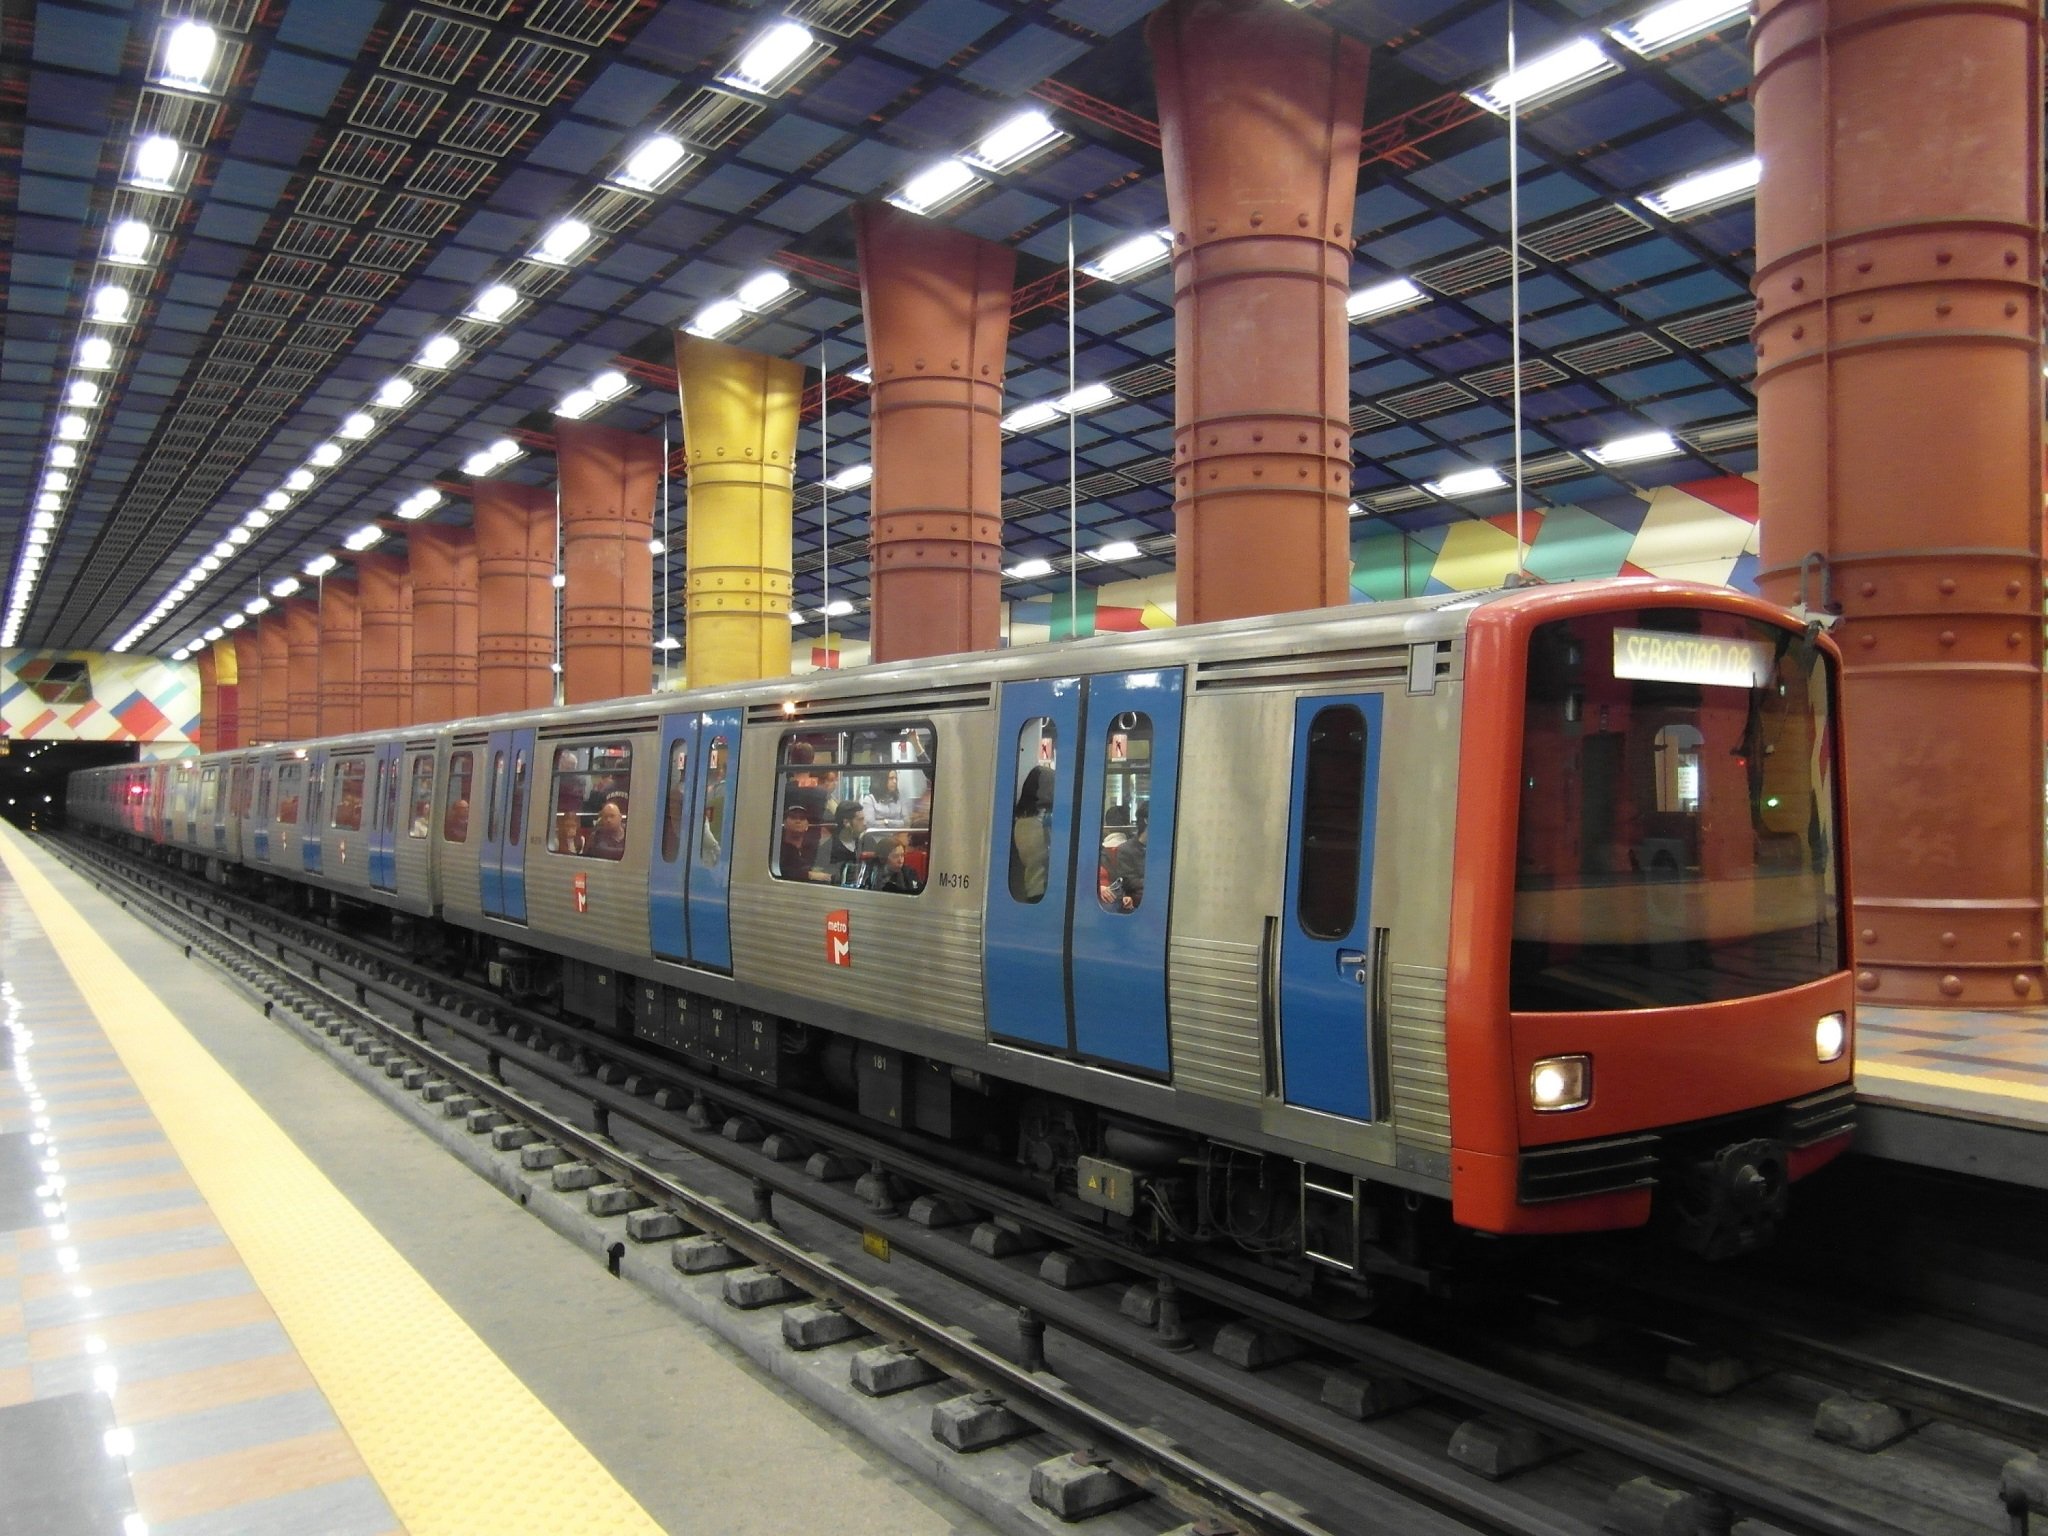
1830 1036
1561 1082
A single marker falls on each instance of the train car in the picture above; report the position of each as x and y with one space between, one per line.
1518 912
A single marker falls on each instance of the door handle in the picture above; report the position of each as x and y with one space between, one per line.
1352 966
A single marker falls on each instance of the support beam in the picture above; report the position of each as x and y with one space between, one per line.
443 622
249 679
608 482
209 700
341 657
384 588
272 645
302 668
227 694
515 619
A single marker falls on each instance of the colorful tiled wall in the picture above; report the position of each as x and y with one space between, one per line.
99 696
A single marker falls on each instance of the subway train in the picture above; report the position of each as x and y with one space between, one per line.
1319 939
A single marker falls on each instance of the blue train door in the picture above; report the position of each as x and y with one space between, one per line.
313 812
1112 745
511 771
689 886
1330 957
491 857
384 818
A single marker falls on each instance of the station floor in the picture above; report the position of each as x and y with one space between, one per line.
239 1297
1961 1089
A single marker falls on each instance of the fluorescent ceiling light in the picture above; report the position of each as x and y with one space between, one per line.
72 428
46 516
560 244
189 54
419 503
1130 257
110 303
1707 189
494 303
223 550
656 547
180 654
479 463
610 384
1014 141
37 537
83 393
1029 570
284 588
276 501
238 536
852 478
256 518
863 373
771 58
762 290
438 352
838 608
1466 482
64 456
208 564
1116 549
49 503
299 480
1380 298
319 565
394 393
503 450
716 318
95 352
326 455
1087 398
363 538
578 402
1029 418
1635 448
1547 77
56 480
931 190
128 241
1664 27
652 163
356 427
257 605
234 621
668 643
214 633
157 159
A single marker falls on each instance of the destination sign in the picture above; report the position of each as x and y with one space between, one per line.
1658 656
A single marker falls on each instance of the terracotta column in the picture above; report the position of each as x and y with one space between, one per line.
443 622
209 699
608 481
249 682
1899 416
227 694
740 412
1259 112
385 603
275 722
937 306
515 593
302 667
341 657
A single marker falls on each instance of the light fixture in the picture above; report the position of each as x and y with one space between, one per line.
49 503
157 159
610 384
479 463
234 621
1127 258
37 537
1116 549
56 480
771 59
395 392
363 538
284 588
239 535
223 550
1830 1036
83 393
72 428
651 164
838 608
214 632
852 478
357 426
1381 298
1466 482
45 517
716 318
1664 27
863 373
64 456
558 247
494 303
933 189
325 455
257 605
558 581
438 352
1704 190
577 403
128 242
276 501
1546 77
110 304
1029 570
1029 418
256 518
188 55
1087 398
763 289
656 547
1635 448
1014 141
668 643
208 564
419 503
1560 1083
95 352
319 565
299 480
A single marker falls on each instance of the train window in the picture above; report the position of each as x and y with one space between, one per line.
348 795
263 792
491 805
461 782
592 799
1126 811
854 807
1037 776
422 812
238 791
673 809
709 848
515 820
209 792
291 779
314 791
390 772
1332 822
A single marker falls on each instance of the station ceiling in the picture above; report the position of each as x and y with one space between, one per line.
345 178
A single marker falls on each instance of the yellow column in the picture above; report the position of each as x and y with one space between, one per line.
739 432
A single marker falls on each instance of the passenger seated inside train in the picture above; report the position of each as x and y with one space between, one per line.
839 861
793 857
607 839
568 834
894 873
883 804
1126 889
455 826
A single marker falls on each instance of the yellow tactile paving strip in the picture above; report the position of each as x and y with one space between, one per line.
455 1440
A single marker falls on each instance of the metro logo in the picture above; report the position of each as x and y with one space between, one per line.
579 888
839 938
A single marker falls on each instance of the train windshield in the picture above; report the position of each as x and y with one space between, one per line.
1678 813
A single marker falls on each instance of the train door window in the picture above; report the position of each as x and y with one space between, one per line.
348 795
291 779
1031 818
491 804
673 807
238 791
461 781
515 820
592 799
209 793
421 813
315 790
712 828
1332 822
390 796
1126 811
264 788
855 807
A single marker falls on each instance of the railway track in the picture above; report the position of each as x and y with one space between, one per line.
1357 1427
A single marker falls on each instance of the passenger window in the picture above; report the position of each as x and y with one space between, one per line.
389 772
709 847
592 799
422 813
672 809
515 820
496 788
1332 822
1126 811
1031 817
314 787
289 779
461 781
854 807
348 795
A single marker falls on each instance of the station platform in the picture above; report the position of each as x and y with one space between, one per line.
1960 1089
239 1297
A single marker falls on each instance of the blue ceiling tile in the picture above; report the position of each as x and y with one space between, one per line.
55 237
498 233
87 40
294 82
240 181
936 30
624 96
336 28
592 292
68 101
458 265
1000 217
729 188
856 90
44 271
535 195
60 152
1023 59
56 195
226 221
791 141
272 137
684 33
579 148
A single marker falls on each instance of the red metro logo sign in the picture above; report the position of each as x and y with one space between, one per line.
839 938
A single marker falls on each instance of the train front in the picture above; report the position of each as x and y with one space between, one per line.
1650 1007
